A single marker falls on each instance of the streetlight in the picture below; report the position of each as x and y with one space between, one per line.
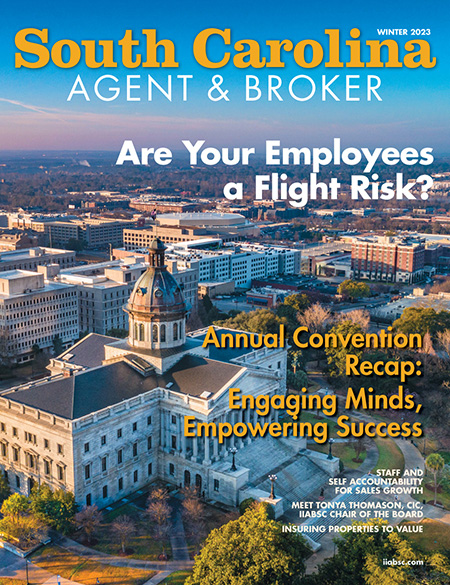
26 570
330 454
233 452
272 479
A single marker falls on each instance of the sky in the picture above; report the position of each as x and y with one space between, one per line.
35 112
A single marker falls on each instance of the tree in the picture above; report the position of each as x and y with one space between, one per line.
123 528
5 490
159 513
56 509
359 317
58 347
251 550
315 318
262 321
353 289
422 320
18 523
298 380
435 463
299 302
194 515
337 356
88 519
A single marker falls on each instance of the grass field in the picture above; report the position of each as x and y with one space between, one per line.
144 546
435 536
8 581
60 561
345 452
177 578
390 455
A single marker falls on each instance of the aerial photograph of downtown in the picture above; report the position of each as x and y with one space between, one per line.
225 293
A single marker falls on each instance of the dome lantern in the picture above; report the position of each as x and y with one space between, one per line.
156 307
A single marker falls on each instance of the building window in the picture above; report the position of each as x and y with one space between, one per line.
174 419
47 467
174 442
119 433
87 471
149 420
46 444
135 476
175 331
141 333
120 483
15 432
134 427
60 470
103 440
162 333
15 454
135 449
17 482
60 449
171 469
88 499
155 333
4 449
86 447
104 464
149 469
149 443
105 491
119 456
216 485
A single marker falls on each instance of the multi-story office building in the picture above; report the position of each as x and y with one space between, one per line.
241 263
104 288
31 258
33 311
390 259
58 231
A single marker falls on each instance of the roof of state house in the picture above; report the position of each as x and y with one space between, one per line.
89 352
92 390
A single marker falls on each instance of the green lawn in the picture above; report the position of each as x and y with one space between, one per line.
390 456
60 561
345 452
177 578
144 546
435 535
428 494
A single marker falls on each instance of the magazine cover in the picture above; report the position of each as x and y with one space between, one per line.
224 293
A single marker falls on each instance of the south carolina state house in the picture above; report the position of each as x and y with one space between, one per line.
109 418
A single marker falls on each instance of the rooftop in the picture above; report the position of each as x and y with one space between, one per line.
93 390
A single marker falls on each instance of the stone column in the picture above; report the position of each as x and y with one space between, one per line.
179 434
206 460
231 417
162 430
216 444
182 439
168 443
194 448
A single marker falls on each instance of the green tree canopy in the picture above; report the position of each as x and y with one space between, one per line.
251 550
336 356
261 321
299 302
353 289
422 320
56 509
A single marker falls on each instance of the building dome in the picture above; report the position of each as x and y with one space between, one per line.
156 306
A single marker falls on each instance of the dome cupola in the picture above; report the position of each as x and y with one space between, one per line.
156 307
